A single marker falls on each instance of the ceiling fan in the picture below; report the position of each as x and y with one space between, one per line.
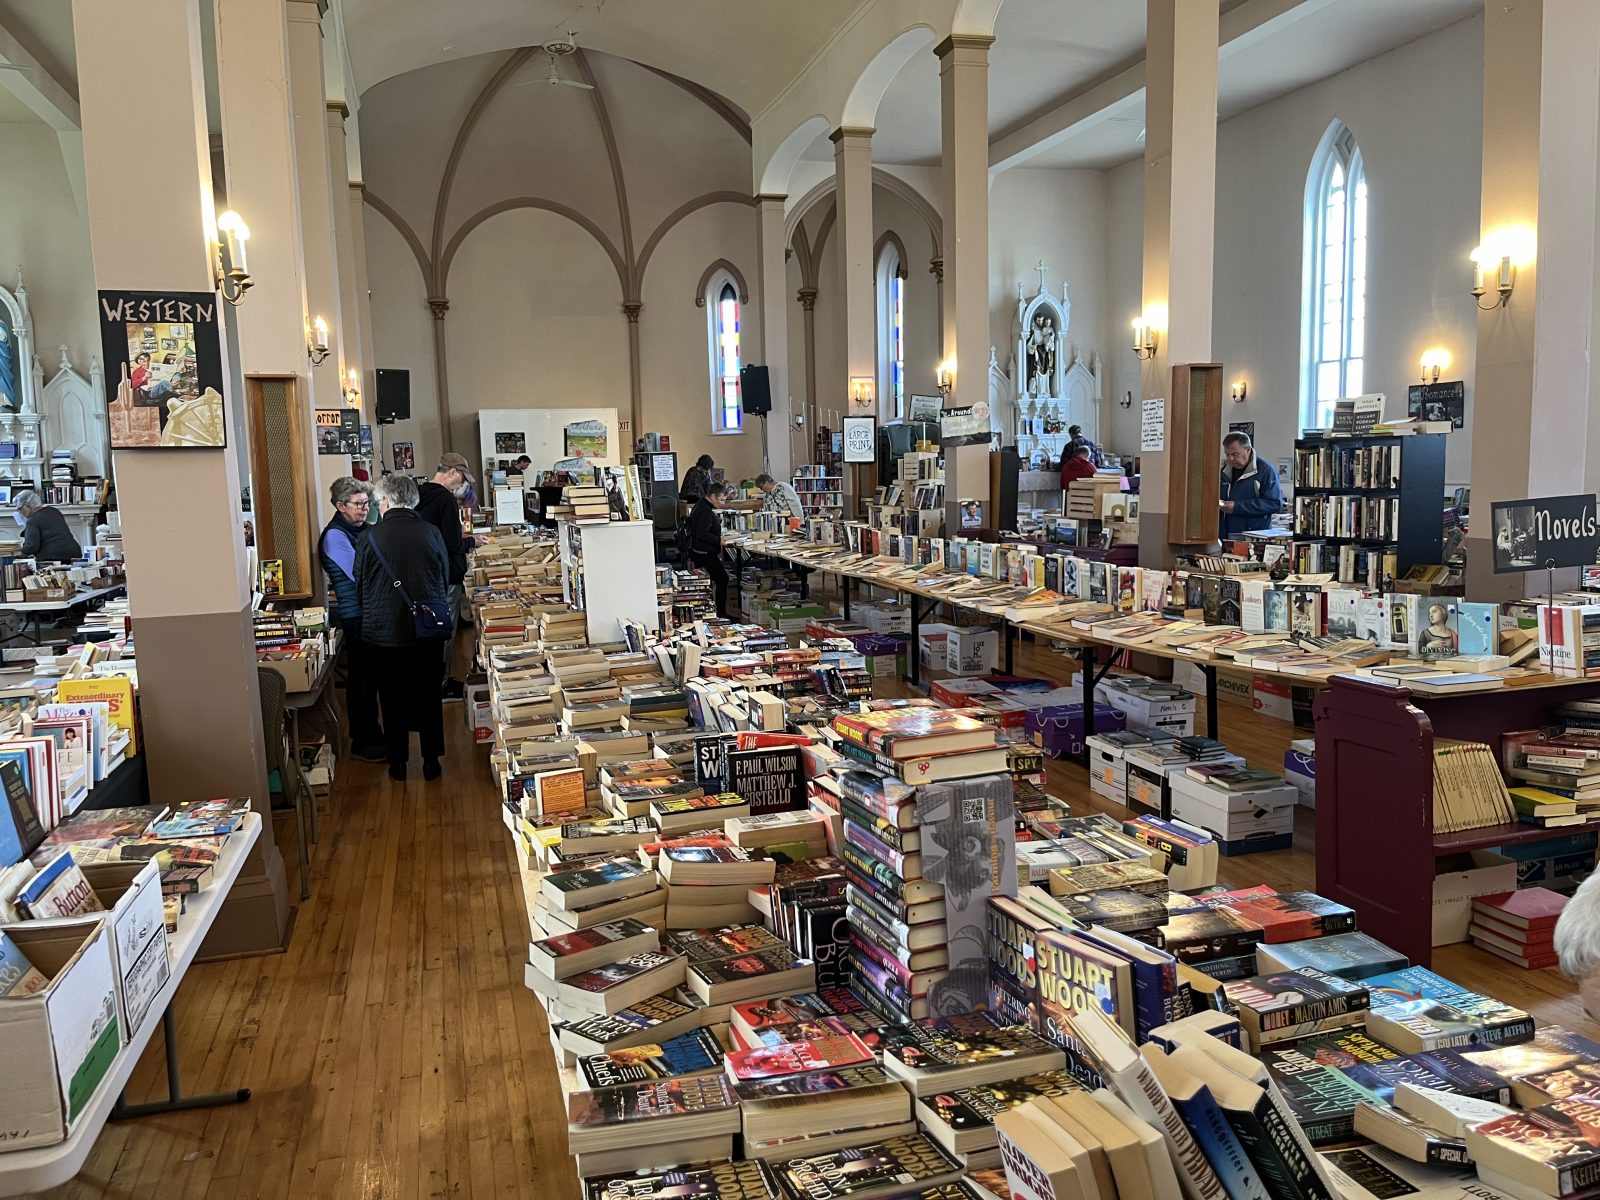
564 47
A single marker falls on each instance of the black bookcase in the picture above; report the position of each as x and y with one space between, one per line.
1407 487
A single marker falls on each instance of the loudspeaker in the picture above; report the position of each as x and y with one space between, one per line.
756 388
394 396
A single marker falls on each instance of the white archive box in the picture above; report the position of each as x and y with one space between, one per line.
1149 784
1234 815
1168 714
971 651
58 1044
1458 881
1108 769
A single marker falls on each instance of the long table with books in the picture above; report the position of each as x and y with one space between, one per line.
28 1172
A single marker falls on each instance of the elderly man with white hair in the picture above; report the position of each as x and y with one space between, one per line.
45 535
1577 942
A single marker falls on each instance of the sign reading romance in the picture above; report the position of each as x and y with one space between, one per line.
1545 531
163 355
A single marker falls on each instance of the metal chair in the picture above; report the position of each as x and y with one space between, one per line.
292 781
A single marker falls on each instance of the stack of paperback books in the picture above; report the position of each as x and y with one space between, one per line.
1519 926
710 885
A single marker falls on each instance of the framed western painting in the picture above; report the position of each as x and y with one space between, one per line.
164 375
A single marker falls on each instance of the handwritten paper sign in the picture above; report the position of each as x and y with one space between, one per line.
860 439
1153 424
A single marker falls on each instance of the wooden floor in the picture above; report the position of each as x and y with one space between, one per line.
394 1050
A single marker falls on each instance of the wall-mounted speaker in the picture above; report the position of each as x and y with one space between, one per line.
394 396
755 386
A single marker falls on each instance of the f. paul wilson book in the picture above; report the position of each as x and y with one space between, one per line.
770 779
746 1179
694 1053
872 1169
1288 1004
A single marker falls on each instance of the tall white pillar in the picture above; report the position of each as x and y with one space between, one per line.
309 104
349 307
772 288
363 298
1532 374
187 576
964 195
852 167
1180 151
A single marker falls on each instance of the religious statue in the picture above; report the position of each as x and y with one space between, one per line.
1041 358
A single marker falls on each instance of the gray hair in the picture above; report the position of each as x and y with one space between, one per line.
27 500
397 491
346 488
1577 938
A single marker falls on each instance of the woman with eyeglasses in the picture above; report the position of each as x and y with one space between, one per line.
341 537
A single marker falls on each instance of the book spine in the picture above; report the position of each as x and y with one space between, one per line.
865 947
878 878
863 840
885 938
889 915
1275 1153
879 981
886 831
1139 1089
1221 1146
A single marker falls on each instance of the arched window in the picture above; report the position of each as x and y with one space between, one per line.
1334 309
722 320
891 281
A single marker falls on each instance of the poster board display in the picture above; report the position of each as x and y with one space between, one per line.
544 435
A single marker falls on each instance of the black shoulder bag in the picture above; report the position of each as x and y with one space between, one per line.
432 619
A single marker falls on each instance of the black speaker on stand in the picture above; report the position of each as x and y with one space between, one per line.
755 390
394 396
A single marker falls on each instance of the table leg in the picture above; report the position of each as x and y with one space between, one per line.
176 1101
1213 728
1011 644
1088 656
844 584
304 796
913 651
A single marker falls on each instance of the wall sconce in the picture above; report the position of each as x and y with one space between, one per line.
946 377
318 342
862 393
233 275
1240 391
1145 338
1503 251
1126 401
352 388
1434 361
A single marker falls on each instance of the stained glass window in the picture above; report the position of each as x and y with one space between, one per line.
727 409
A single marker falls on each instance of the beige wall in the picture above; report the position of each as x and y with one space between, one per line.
536 296
42 232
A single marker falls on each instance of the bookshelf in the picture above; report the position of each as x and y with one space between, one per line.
600 573
1359 495
820 487
1376 845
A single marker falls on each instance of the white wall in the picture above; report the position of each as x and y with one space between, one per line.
42 232
1416 113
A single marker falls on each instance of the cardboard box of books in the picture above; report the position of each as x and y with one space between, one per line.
1458 881
1300 769
931 639
58 1044
971 651
1231 689
1174 715
298 669
478 709
1108 769
131 893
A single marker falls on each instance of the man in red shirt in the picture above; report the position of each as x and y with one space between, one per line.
1077 466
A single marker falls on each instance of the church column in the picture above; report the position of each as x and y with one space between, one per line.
307 97
350 308
808 301
1532 382
852 168
363 299
772 290
187 576
1180 152
631 310
439 306
964 196
259 147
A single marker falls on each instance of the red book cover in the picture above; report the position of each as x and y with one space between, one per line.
1529 908
798 1058
752 740
914 731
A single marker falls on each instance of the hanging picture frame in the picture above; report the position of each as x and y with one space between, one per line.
164 374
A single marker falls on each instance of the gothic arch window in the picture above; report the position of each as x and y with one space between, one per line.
724 315
1334 307
890 278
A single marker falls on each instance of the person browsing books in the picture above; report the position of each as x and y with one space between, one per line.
400 562
705 541
440 505
1077 463
697 479
780 497
45 535
337 549
1250 494
1577 942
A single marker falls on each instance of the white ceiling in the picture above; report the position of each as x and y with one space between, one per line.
745 50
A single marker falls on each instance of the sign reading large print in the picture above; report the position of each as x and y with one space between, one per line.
163 354
1545 531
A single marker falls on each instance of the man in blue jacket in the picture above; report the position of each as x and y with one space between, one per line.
1250 491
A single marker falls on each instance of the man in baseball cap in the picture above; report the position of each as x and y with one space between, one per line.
439 504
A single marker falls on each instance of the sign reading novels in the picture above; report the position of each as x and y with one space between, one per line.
1438 402
163 355
1545 532
770 779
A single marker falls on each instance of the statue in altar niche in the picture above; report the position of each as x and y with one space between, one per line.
1042 343
8 366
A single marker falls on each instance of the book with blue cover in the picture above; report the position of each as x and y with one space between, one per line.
1212 1133
695 1053
1479 627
